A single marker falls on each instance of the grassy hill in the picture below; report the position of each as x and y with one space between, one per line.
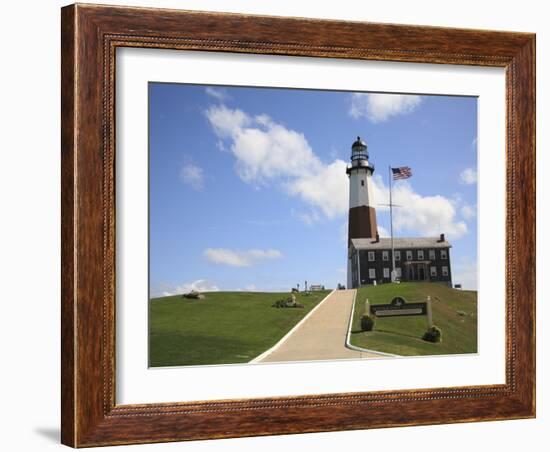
454 311
224 328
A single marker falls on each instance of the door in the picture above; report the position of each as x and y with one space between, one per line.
421 272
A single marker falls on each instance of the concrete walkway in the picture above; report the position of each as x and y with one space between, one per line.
322 336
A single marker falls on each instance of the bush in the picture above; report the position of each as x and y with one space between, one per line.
287 303
433 334
193 295
367 323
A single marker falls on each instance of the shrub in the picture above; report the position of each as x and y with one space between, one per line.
194 295
367 323
433 334
287 303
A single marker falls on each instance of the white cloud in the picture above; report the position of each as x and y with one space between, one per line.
267 152
200 285
468 176
465 273
308 217
468 211
220 145
271 151
344 232
226 122
248 288
217 93
422 215
381 107
264 254
382 231
236 258
192 175
326 188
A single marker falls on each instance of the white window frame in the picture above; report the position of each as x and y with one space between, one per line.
386 272
431 255
443 254
444 271
409 255
397 255
385 255
398 272
433 270
370 256
372 273
420 254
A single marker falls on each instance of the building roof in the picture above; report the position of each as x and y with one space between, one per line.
399 243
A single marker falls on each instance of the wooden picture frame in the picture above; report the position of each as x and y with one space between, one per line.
90 36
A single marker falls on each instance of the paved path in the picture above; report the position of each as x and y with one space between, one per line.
323 334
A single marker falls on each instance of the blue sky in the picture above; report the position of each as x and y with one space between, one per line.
248 189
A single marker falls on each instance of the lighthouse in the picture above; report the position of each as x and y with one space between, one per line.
362 214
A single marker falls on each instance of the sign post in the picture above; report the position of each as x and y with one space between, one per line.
429 311
367 307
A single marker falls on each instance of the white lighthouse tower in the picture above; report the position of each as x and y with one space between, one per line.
362 214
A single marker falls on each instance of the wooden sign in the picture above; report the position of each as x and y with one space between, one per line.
399 307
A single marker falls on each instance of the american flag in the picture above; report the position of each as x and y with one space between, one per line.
403 172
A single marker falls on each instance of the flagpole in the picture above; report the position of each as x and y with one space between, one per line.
391 228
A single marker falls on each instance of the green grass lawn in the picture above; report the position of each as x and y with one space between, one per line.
224 328
454 311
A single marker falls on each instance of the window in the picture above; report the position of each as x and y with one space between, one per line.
443 254
362 183
409 255
421 255
433 271
432 255
371 256
398 272
445 271
372 273
397 255
386 273
385 256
